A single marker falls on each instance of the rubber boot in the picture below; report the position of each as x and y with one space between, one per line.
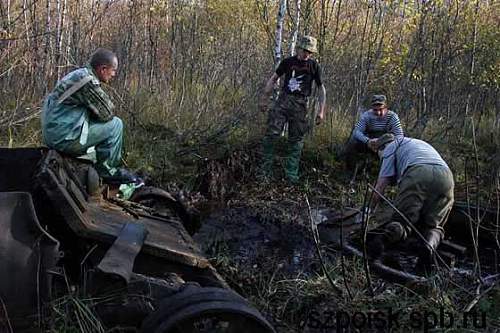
376 247
427 255
293 161
392 234
266 171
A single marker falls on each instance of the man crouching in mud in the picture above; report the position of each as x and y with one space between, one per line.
425 194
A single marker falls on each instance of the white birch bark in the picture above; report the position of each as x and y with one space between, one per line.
295 32
26 24
48 47
279 31
61 14
8 16
277 47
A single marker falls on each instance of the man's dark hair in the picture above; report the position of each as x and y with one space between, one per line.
102 57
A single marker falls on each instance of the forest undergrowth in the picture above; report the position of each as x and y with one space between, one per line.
302 299
276 266
188 83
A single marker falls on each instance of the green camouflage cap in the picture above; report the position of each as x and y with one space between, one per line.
384 139
308 43
379 100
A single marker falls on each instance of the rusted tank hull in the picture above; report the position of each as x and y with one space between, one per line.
101 245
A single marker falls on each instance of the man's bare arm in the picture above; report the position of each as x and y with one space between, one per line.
382 183
322 103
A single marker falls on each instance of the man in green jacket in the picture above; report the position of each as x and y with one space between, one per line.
78 114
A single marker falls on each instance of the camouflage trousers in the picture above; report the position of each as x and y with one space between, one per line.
291 109
425 197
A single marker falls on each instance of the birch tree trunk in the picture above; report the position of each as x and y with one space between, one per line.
8 16
26 24
472 60
61 14
279 31
295 32
277 49
48 46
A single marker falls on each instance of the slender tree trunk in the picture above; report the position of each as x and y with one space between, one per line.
48 43
279 31
8 28
359 76
295 32
26 25
61 10
472 60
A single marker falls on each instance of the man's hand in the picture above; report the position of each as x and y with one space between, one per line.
266 94
319 118
372 144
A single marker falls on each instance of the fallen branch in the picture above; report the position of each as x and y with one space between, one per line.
387 272
315 233
342 261
479 296
364 219
4 309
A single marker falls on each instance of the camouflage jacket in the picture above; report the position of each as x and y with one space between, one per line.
76 99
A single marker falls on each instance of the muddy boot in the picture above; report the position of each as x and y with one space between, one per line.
376 247
120 176
266 169
427 255
293 161
392 234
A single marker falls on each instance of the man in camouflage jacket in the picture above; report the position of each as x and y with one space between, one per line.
78 114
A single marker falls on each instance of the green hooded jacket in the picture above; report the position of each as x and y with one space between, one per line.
76 99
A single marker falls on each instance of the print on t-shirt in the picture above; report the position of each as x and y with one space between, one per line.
299 75
295 82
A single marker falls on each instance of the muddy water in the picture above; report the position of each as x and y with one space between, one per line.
255 241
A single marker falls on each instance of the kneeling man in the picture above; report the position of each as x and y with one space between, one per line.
425 192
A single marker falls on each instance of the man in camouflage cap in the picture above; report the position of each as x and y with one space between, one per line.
78 114
299 72
425 194
371 125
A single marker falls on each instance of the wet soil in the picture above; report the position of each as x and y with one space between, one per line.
258 242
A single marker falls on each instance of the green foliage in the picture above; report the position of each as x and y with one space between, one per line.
191 73
71 314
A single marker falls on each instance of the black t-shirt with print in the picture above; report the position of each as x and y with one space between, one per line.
299 75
